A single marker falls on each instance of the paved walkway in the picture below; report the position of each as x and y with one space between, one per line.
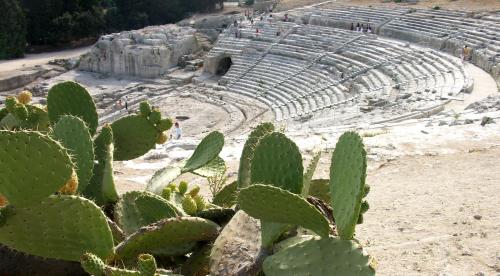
40 59
484 85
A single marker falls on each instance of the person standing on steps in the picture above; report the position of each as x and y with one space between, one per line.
126 104
465 53
352 26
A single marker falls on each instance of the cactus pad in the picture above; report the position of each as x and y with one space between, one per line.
162 178
146 264
320 188
206 151
327 256
127 215
154 208
277 161
74 135
309 173
218 215
92 264
102 184
215 167
61 227
164 125
167 233
273 204
228 196
347 182
134 136
30 161
38 118
248 150
70 98
145 109
237 250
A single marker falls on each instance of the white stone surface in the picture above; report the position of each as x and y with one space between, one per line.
146 53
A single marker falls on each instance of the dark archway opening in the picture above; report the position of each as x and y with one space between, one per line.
223 66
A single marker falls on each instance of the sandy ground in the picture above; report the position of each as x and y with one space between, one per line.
435 215
463 5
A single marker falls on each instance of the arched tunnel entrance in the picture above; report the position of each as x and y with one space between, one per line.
223 66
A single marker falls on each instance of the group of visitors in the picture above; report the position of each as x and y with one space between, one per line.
362 28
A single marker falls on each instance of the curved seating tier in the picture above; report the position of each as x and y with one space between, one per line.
442 30
308 69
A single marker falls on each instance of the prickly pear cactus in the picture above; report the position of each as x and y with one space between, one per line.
327 256
167 237
70 98
60 227
22 115
30 161
309 173
146 264
92 264
127 215
102 184
155 116
218 215
24 97
154 208
145 109
74 135
213 168
206 151
134 136
163 177
253 140
3 113
273 204
228 196
237 250
320 188
38 119
277 161
189 205
164 125
347 182
205 154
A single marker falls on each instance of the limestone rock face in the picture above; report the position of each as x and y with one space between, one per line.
146 53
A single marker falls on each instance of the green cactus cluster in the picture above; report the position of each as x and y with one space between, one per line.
20 114
58 198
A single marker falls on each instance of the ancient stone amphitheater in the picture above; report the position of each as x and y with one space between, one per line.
312 69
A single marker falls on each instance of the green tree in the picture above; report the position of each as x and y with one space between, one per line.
12 30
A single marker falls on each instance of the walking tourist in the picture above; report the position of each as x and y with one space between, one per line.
177 131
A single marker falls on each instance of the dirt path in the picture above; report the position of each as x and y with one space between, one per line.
484 85
40 59
435 215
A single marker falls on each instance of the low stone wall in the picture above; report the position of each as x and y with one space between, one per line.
146 53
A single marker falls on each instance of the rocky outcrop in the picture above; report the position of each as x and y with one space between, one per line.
146 53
